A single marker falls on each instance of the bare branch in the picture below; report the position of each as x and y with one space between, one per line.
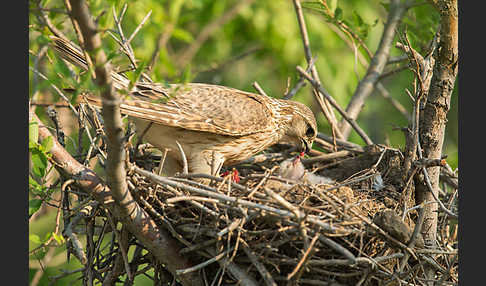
433 118
131 213
331 100
325 107
377 64
157 240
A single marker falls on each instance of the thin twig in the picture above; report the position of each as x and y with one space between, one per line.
323 103
331 100
185 168
377 64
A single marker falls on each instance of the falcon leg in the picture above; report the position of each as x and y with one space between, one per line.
204 164
171 166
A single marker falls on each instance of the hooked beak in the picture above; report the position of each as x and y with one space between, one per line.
306 146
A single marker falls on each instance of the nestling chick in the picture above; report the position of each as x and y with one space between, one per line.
293 169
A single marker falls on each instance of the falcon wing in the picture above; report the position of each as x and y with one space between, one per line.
199 107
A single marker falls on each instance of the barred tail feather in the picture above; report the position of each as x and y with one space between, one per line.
74 55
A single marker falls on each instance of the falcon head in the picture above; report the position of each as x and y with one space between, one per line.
301 129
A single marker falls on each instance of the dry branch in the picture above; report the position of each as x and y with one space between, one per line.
377 64
331 100
323 101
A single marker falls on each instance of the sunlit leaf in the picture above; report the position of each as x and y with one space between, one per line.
39 162
47 144
59 238
34 205
182 35
35 238
33 131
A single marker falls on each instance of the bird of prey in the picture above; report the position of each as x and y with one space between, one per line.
214 125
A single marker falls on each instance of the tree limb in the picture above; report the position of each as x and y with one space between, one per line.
157 240
331 100
377 64
129 212
323 103
433 118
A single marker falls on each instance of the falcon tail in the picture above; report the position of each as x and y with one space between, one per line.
74 55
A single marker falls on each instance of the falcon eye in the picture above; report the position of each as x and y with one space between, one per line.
309 132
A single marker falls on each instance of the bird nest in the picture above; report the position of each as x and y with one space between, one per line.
349 232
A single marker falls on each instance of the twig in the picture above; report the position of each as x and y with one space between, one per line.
122 247
80 37
44 18
301 83
331 100
326 109
64 97
267 277
431 189
304 258
377 64
413 238
342 143
185 168
380 88
139 26
339 248
165 181
205 263
131 214
259 88
330 156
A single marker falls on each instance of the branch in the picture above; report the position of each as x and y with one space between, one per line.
331 100
380 88
433 118
130 212
377 64
157 240
326 109
115 168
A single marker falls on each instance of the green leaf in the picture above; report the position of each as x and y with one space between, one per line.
182 35
338 14
33 183
58 238
34 205
33 131
35 238
47 144
174 9
39 162
358 19
135 75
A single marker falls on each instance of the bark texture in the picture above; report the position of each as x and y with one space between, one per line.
433 117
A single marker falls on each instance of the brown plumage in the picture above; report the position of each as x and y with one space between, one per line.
212 123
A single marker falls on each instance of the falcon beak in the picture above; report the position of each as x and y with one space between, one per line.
306 147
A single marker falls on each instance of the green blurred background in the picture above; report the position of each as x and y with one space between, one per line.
260 43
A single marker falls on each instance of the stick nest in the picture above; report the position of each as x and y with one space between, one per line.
353 232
